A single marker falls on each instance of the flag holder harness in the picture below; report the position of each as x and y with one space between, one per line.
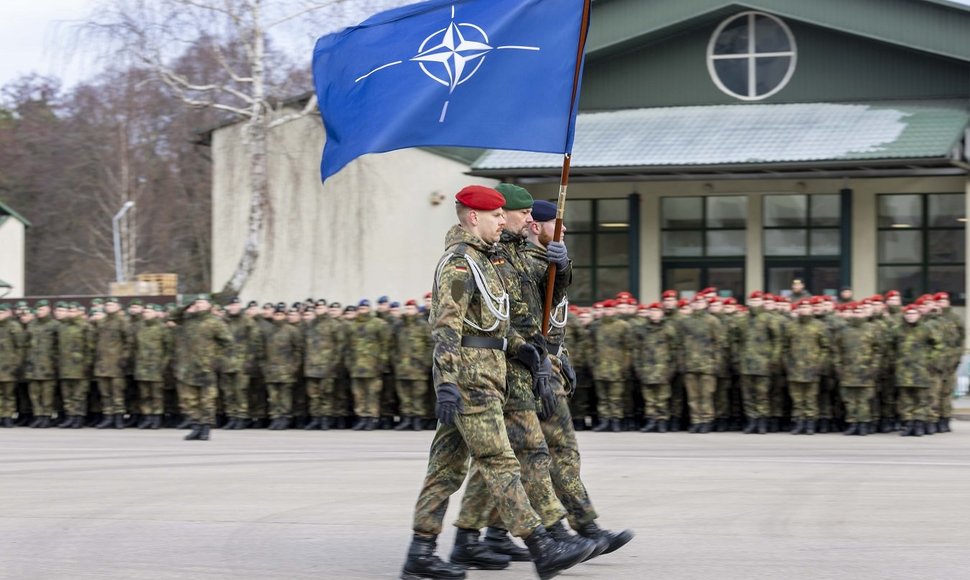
498 305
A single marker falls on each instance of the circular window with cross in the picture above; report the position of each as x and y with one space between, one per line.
751 56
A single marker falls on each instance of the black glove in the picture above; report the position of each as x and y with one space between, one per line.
449 404
569 372
542 387
530 356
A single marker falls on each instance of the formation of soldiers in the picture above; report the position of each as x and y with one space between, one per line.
805 364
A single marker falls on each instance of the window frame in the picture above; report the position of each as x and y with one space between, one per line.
596 231
751 56
808 227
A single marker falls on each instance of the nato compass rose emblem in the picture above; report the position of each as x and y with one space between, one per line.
451 56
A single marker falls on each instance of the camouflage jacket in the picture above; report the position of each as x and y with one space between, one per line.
152 351
42 351
806 348
459 308
536 269
954 334
412 354
75 342
112 346
655 354
368 346
759 348
284 353
917 352
13 344
701 338
612 346
322 348
857 353
203 339
247 342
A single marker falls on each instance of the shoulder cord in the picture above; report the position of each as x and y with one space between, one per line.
560 313
497 305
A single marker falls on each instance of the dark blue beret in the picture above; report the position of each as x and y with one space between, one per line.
543 211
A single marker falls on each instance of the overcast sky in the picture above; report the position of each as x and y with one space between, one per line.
34 33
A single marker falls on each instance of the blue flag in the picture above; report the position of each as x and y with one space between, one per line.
494 74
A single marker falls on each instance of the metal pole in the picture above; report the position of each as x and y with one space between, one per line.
119 273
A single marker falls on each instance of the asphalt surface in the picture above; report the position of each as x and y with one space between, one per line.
292 505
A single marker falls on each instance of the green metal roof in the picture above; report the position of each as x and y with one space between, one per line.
752 135
5 210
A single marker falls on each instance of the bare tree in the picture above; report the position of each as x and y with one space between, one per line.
246 87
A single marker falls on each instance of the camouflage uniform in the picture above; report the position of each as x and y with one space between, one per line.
281 365
806 350
954 334
412 364
75 341
578 343
917 351
112 345
321 356
367 357
701 334
857 358
151 354
828 390
480 374
239 364
655 363
759 355
41 367
611 350
934 404
204 339
13 343
389 403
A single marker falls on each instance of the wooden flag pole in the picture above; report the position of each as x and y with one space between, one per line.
564 178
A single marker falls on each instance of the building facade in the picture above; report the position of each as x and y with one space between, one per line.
13 253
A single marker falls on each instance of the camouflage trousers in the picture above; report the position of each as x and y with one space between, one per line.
941 395
234 389
300 403
343 398
8 399
112 391
483 437
754 395
828 395
564 471
804 399
776 395
610 397
525 434
678 396
280 400
412 396
700 397
389 402
656 401
42 397
887 398
579 404
258 398
150 397
75 395
367 396
198 403
319 393
856 401
914 403
722 398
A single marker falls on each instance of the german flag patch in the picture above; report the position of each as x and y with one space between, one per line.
461 268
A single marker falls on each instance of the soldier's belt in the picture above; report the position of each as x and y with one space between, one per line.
553 348
483 342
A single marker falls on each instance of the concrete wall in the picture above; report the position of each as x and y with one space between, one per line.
371 230
13 257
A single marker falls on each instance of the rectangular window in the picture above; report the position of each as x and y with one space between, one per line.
921 244
600 237
802 240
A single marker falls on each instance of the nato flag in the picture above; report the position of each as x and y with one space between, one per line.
495 74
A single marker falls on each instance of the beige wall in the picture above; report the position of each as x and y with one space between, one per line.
864 280
371 230
13 256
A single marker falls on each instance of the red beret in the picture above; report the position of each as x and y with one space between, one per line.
669 294
683 302
892 293
911 307
609 303
480 197
643 307
729 300
655 306
713 299
941 296
756 294
816 300
769 296
829 298
624 294
427 294
411 302
782 299
877 298
708 290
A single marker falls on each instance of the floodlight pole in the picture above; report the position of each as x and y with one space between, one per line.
116 233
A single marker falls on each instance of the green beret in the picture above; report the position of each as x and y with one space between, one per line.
60 304
155 307
136 302
40 303
171 306
22 304
74 305
205 297
4 308
515 197
97 301
113 300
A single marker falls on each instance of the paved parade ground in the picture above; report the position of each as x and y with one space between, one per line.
289 505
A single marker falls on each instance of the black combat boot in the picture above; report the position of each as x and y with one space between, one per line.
67 422
751 427
284 423
419 424
930 427
919 429
650 426
243 423
45 423
864 429
704 428
314 423
106 422
615 540
906 429
230 424
662 426
721 425
559 532
579 424
774 423
471 553
604 425
325 423
78 423
798 426
3 422
498 541
204 433
825 425
615 426
156 422
694 428
186 423
762 426
885 425
120 421
195 433
851 429
404 424
146 420
944 426
552 557
674 424
422 562
35 423
810 427
360 424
